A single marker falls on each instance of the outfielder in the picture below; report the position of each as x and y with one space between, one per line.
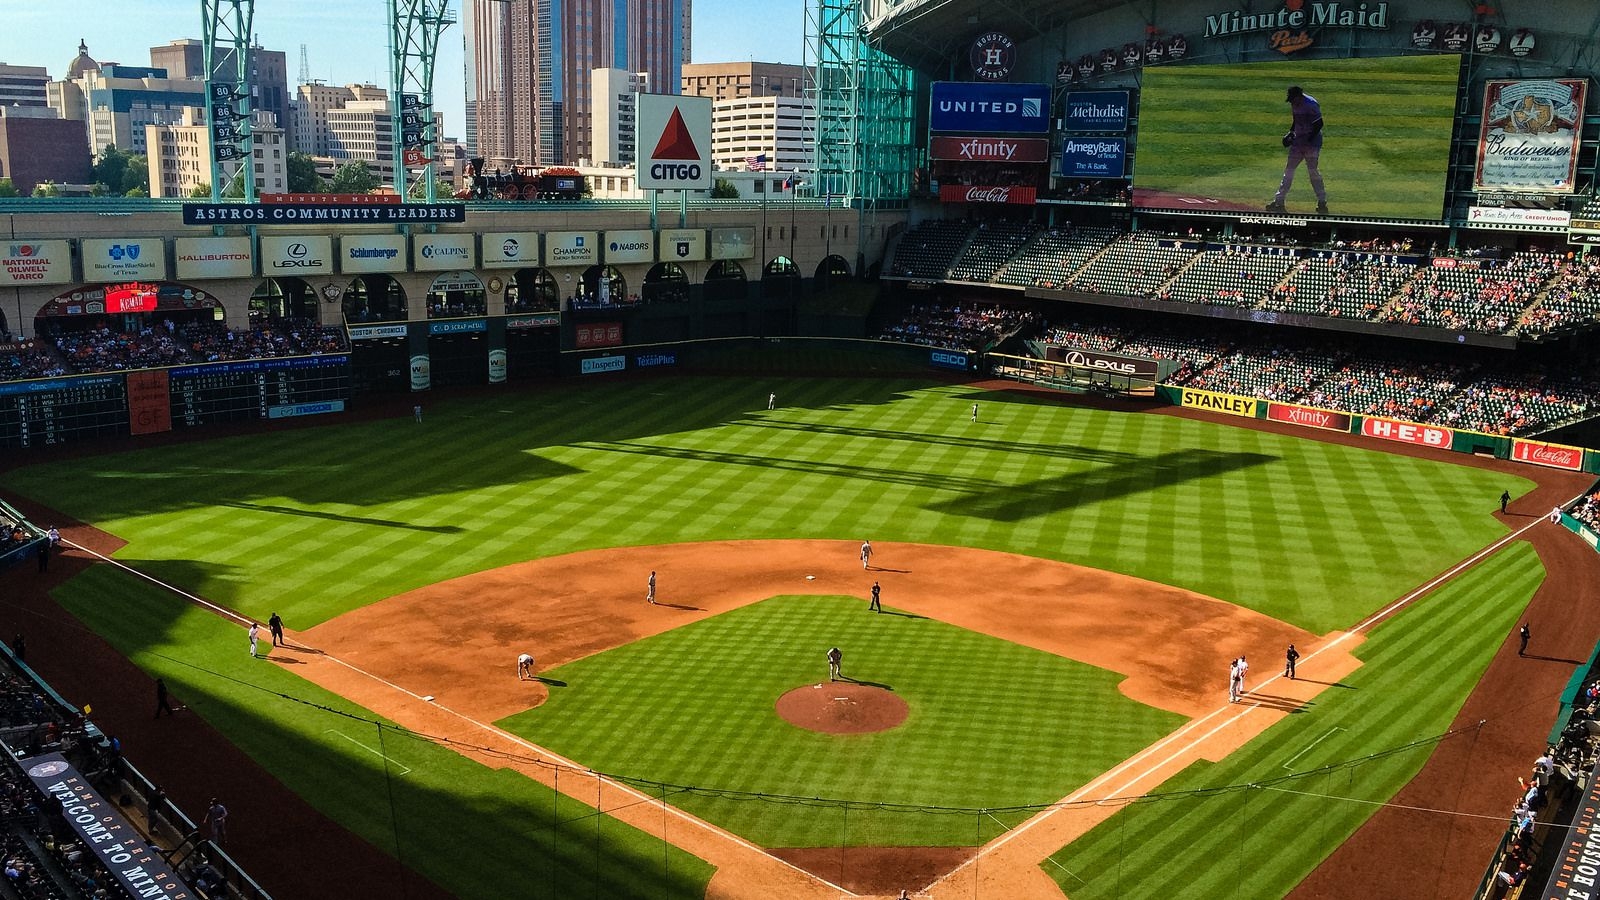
1304 140
866 555
650 591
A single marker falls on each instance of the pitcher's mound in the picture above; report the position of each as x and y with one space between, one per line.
842 707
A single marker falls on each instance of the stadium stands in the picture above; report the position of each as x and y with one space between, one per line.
100 349
1345 285
968 326
1135 265
1473 295
1241 275
1053 258
928 250
991 246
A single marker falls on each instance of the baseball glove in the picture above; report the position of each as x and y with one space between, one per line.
1288 138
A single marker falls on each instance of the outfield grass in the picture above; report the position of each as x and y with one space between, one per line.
1417 670
315 522
462 824
989 721
1214 131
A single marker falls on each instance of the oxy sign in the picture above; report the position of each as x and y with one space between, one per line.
678 129
510 249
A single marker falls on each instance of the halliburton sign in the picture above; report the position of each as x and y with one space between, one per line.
963 193
1308 417
1556 456
1408 433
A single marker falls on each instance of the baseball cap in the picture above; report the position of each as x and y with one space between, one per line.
1294 91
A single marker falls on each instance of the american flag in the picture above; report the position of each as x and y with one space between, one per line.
757 163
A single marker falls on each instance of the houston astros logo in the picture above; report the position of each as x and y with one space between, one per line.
993 56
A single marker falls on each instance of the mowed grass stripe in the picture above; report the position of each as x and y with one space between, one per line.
1417 668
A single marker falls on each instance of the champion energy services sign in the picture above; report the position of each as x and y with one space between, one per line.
572 248
35 262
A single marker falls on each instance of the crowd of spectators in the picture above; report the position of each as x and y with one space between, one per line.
958 326
1587 511
100 348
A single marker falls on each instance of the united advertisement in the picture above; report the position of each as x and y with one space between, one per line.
985 108
125 259
214 257
35 262
1094 157
1530 135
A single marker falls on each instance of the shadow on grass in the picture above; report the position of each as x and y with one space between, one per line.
1055 451
864 683
335 517
1337 684
683 606
550 682
902 614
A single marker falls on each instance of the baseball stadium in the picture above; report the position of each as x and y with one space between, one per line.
1147 454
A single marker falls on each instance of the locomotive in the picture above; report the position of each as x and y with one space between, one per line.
521 183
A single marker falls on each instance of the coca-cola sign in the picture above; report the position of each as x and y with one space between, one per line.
1556 456
1308 417
1408 433
980 193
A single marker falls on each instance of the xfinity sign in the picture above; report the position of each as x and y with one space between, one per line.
981 108
679 131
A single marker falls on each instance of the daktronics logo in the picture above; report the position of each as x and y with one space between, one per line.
1556 456
373 253
1308 417
1408 433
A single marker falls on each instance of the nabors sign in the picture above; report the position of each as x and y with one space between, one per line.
1300 14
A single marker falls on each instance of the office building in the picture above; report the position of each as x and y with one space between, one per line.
179 155
23 85
363 130
37 146
731 80
782 129
116 102
530 63
267 76
313 101
612 118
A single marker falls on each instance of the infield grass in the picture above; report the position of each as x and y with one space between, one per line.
314 522
991 723
1232 840
1214 132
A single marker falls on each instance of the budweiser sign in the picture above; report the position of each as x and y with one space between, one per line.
977 193
1408 433
990 149
1556 456
1308 417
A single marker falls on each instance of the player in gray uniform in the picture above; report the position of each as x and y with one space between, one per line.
1304 141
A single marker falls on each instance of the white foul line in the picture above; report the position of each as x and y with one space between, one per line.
374 752
1307 749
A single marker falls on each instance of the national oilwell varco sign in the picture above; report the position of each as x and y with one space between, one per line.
1300 14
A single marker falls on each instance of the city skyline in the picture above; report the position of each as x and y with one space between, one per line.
340 49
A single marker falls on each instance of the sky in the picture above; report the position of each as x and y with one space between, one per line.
346 40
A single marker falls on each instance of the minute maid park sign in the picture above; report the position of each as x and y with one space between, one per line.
1300 14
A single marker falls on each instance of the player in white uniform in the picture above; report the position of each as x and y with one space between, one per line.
524 666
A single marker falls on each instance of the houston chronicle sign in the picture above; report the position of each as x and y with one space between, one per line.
1300 14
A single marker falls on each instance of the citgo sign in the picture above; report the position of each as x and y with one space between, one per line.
679 130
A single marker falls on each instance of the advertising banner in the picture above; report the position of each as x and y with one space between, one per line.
1576 848
1309 417
733 243
497 366
35 262
1094 158
442 252
421 373
1111 363
511 249
572 248
604 364
681 245
1556 456
1096 111
320 213
978 193
459 326
138 259
652 360
302 256
294 410
638 246
214 257
989 108
375 332
1244 407
1408 433
362 253
1503 215
1530 135
110 838
542 320
597 334
678 131
987 148
946 359
149 402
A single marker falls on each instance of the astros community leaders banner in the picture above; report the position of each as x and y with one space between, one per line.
1530 135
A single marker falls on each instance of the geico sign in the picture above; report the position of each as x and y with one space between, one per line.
1407 433
676 171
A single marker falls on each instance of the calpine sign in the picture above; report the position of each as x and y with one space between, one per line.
679 131
1299 14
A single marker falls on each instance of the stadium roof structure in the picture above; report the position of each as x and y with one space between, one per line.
927 34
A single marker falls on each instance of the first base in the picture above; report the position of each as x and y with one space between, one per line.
811 578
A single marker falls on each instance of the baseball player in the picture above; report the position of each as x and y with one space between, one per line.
255 635
974 412
834 657
866 555
1233 682
524 666
1244 669
875 606
1290 657
772 401
650 592
1304 141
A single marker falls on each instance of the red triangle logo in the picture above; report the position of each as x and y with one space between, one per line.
675 141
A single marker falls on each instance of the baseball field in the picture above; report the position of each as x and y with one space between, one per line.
1064 588
1210 136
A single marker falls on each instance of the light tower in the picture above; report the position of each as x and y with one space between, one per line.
414 30
226 28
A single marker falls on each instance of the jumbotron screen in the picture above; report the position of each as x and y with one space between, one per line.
1228 138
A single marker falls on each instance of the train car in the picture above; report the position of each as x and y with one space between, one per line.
522 183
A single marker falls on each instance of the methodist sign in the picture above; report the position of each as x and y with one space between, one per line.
1096 111
678 129
35 262
138 259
